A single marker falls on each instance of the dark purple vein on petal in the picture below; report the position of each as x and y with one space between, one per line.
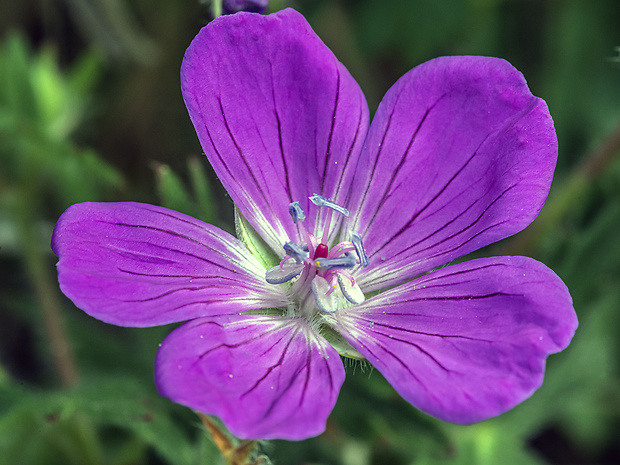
234 285
287 181
471 225
420 349
158 275
328 149
308 367
201 228
170 292
190 239
422 333
245 162
346 163
453 249
430 278
239 344
442 253
144 257
329 375
217 153
401 163
275 365
373 170
403 364
230 281
252 287
222 300
435 197
451 298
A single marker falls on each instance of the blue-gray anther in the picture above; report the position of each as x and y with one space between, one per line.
296 252
356 239
296 212
321 201
345 261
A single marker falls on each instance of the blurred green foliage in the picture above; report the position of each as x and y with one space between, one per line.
90 109
40 108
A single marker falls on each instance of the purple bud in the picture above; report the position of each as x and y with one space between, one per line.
230 7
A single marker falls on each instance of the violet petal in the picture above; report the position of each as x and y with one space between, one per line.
133 264
466 342
265 377
277 115
459 155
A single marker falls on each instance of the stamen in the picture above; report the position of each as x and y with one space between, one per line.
345 261
283 273
296 212
356 239
325 300
296 252
347 275
350 291
342 248
321 201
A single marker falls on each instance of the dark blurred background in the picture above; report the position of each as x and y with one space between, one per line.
90 109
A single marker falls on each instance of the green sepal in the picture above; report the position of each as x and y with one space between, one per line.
254 243
338 342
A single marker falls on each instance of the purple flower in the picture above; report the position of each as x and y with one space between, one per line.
459 155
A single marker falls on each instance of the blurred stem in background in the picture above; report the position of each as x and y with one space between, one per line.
40 107
45 286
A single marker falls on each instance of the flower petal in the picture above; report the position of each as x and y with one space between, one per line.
279 118
459 155
466 342
134 264
265 377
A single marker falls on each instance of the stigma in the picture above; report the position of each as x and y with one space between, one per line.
317 273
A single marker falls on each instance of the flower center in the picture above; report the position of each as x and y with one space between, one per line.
320 277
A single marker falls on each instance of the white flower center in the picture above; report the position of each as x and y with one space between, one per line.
323 277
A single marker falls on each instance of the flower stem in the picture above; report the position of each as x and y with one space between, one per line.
235 452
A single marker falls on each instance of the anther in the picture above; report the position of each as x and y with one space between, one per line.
296 212
356 239
321 201
296 252
283 273
344 261
324 296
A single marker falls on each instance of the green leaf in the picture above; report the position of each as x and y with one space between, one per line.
254 243
68 427
202 192
172 191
